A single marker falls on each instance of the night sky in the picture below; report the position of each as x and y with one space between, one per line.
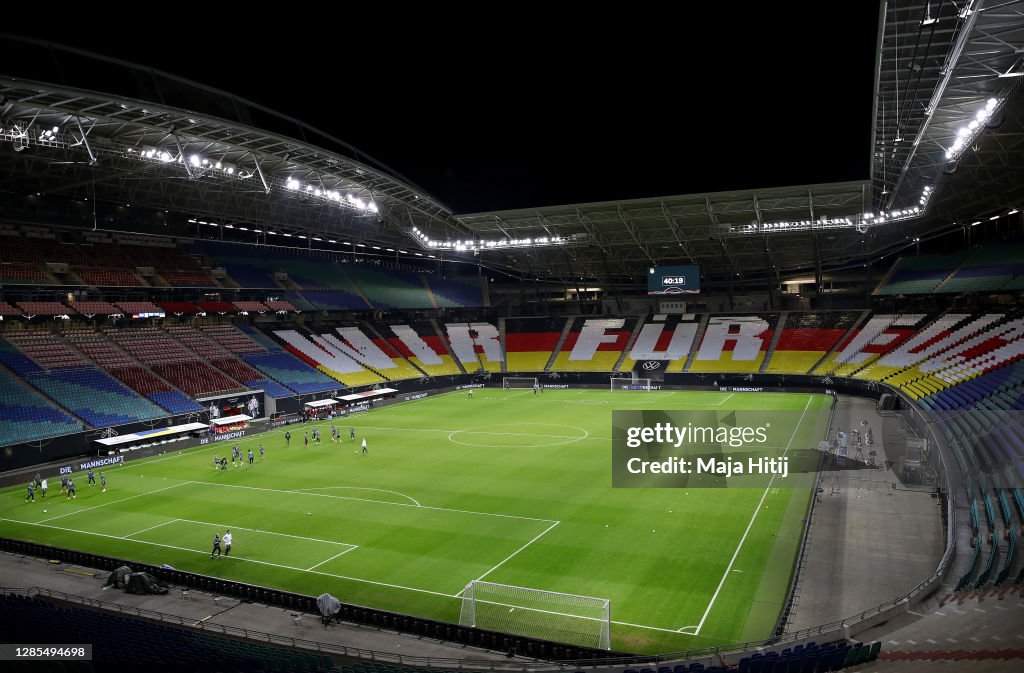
530 113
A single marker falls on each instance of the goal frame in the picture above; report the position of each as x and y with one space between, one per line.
629 383
533 382
469 615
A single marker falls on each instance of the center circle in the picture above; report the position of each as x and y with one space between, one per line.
518 435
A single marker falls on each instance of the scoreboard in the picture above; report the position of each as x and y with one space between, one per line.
673 280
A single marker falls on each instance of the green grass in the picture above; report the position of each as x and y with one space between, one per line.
506 486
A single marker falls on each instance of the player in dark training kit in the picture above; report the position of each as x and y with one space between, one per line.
216 545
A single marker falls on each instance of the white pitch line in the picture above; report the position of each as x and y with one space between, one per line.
237 558
113 502
723 401
478 432
151 528
379 502
361 488
341 553
268 532
502 562
743 539
563 614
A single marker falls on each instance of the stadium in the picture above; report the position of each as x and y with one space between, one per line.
292 412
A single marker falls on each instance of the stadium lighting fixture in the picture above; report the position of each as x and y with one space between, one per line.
1013 212
974 224
292 184
994 217
968 131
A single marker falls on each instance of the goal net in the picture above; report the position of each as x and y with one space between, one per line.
520 382
563 618
628 383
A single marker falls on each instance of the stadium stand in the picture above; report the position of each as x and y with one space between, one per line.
133 307
280 305
387 288
88 308
25 416
109 277
7 309
664 337
323 352
806 338
403 369
13 274
250 306
919 275
529 342
299 302
244 264
129 372
877 336
173 362
69 378
987 269
44 308
264 354
178 307
329 300
45 349
421 345
594 344
459 291
734 343
476 345
95 397
211 351
187 279
217 307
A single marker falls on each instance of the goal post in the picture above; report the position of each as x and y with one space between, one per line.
630 383
519 382
535 613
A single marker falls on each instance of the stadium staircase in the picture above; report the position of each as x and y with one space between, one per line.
501 342
396 355
780 326
448 346
827 357
561 340
629 343
697 339
430 291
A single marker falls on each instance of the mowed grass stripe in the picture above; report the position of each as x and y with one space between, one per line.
658 554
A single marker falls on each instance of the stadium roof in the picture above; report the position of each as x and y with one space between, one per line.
941 66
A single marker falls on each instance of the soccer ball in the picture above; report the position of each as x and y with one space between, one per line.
44 511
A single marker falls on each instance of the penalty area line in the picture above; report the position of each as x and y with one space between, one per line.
509 557
236 558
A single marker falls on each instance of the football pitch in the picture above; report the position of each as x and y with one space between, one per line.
508 486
